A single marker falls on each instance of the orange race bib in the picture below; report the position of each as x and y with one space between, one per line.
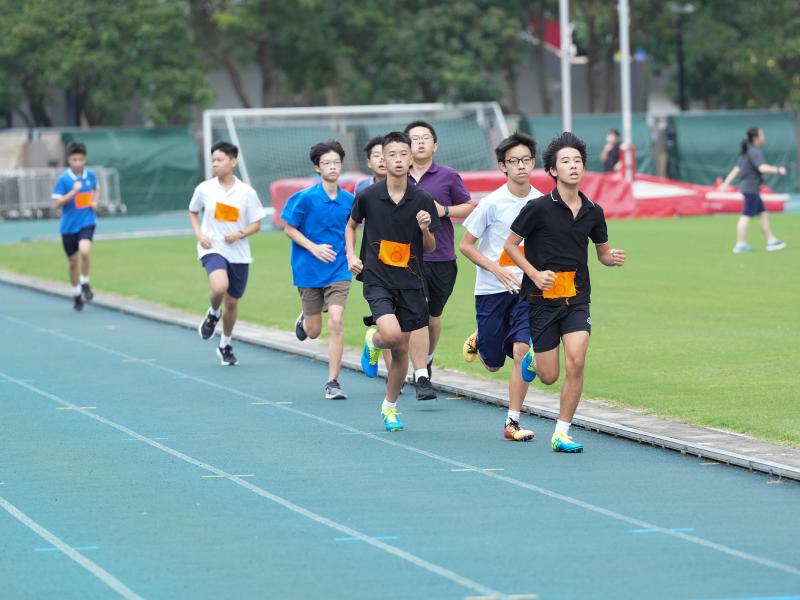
83 199
564 287
226 212
505 259
394 254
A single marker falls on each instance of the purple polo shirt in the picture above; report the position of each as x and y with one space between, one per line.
448 189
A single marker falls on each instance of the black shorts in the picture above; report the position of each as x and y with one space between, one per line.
70 241
440 279
550 323
409 306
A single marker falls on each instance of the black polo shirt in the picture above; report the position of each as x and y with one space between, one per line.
556 241
386 221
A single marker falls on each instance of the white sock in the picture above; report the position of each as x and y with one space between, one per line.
387 405
76 291
512 414
224 340
420 373
84 279
430 358
214 311
562 427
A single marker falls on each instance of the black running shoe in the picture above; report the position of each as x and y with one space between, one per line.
298 328
78 302
87 292
429 366
207 327
226 356
425 390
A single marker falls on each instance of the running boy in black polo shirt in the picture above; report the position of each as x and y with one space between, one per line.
398 222
556 229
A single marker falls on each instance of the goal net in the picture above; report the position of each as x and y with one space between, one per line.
274 142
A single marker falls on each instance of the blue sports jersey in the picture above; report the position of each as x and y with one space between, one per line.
322 221
77 213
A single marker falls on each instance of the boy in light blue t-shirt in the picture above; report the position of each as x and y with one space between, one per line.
75 193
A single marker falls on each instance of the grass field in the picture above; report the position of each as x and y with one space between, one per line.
686 329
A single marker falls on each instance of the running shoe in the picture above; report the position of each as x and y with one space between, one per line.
78 302
561 442
390 419
226 356
298 328
775 244
429 366
470 348
515 433
87 292
370 354
333 391
207 327
528 366
425 390
742 247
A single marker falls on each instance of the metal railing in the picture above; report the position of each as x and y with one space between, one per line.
27 193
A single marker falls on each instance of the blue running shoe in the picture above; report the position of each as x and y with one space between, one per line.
370 354
528 366
561 442
390 419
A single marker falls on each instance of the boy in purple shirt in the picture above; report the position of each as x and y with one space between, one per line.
439 267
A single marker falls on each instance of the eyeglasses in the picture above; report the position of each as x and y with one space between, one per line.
514 162
421 138
330 163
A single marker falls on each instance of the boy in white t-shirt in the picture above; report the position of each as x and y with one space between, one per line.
231 212
501 313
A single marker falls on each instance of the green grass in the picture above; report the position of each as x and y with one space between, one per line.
686 329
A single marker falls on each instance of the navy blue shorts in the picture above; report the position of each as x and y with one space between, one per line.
70 241
550 323
237 272
753 205
502 322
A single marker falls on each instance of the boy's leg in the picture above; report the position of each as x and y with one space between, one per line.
312 301
218 282
85 250
576 345
517 388
73 270
398 369
229 316
335 299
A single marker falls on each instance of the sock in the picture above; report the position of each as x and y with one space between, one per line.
512 414
214 311
562 427
76 291
420 373
224 340
430 359
84 279
387 405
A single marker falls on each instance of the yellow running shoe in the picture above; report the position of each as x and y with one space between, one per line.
470 349
515 433
390 419
561 442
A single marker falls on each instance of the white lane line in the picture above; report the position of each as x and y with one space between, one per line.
477 469
221 477
95 569
692 539
415 560
81 407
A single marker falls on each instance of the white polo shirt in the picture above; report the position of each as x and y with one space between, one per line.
490 222
226 211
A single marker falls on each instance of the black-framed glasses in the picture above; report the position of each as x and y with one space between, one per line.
514 162
422 138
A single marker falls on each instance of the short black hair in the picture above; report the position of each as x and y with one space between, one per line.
396 136
565 140
614 131
425 124
76 147
517 139
226 148
317 150
376 141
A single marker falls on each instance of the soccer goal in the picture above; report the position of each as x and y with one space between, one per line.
274 142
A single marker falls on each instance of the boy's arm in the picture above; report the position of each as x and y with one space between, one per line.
63 199
610 257
424 222
322 252
354 263
204 240
544 280
468 249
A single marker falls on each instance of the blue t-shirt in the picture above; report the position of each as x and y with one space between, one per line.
77 213
323 221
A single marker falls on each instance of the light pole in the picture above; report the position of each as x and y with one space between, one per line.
681 10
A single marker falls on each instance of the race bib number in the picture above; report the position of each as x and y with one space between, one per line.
226 212
83 199
564 287
394 254
505 259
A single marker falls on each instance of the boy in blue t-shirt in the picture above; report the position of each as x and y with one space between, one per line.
75 193
316 218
